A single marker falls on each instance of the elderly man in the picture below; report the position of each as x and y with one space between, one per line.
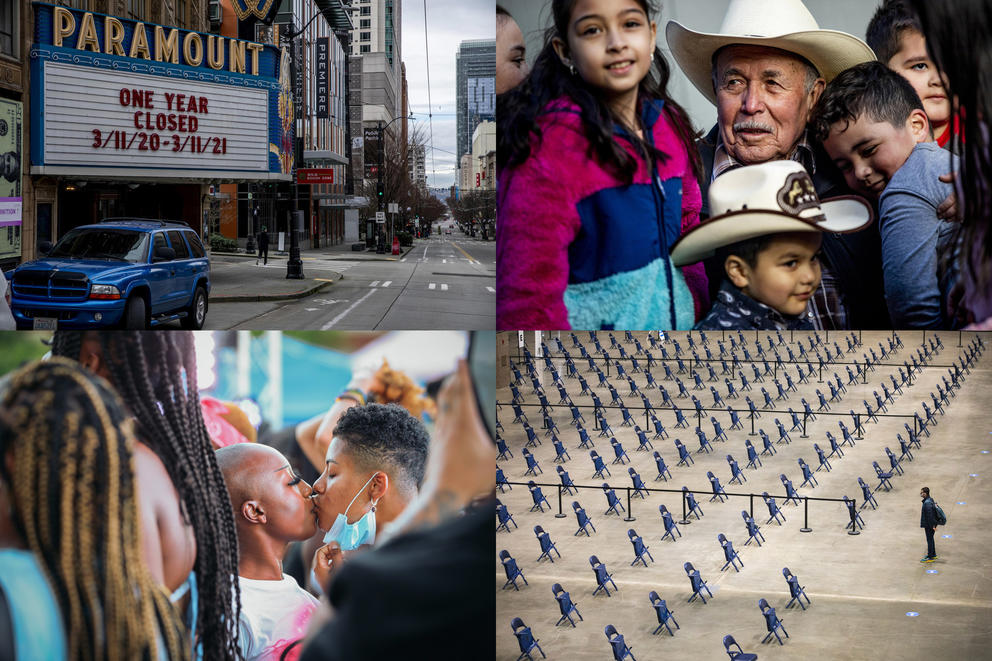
764 71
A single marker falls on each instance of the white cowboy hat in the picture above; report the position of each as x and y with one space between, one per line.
768 198
783 24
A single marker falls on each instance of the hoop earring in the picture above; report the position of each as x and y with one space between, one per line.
571 69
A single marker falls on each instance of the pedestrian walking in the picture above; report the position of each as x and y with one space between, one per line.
928 521
263 246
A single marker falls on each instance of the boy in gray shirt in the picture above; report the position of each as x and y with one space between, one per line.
872 124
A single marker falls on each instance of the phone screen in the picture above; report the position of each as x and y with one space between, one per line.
482 365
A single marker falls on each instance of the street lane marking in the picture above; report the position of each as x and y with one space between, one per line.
444 287
444 261
432 286
323 280
470 258
490 290
387 283
351 307
374 283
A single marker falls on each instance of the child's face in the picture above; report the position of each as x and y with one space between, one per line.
786 274
868 153
913 64
610 43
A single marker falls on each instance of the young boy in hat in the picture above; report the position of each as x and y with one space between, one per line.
272 507
873 125
766 232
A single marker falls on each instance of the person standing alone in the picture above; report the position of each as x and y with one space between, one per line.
928 521
263 246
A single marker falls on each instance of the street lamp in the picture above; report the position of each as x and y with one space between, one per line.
380 244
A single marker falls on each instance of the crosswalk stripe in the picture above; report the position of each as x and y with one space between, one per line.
432 286
374 284
387 283
490 290
444 287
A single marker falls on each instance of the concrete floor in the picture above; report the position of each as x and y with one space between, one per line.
861 587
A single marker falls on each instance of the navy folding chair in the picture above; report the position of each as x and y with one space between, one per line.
883 477
639 489
547 546
602 576
704 445
771 621
753 531
640 550
512 571
854 519
823 459
691 506
628 419
566 481
620 649
501 482
538 497
834 447
766 442
782 434
518 413
565 605
736 474
752 454
790 491
583 520
735 421
618 450
664 615
738 654
669 523
584 441
532 466
867 494
796 422
532 439
505 518
642 440
797 591
773 511
598 464
718 433
684 456
561 454
504 451
612 500
893 461
718 490
729 553
717 400
659 429
680 421
696 582
525 639
662 467
807 474
904 447
604 426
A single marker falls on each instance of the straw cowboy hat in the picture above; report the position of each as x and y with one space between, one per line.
768 198
783 24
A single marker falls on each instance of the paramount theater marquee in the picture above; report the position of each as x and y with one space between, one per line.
126 99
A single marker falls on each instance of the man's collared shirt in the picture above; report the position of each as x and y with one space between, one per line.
802 153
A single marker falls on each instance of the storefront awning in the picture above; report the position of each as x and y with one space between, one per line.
155 175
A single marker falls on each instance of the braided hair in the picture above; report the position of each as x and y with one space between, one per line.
155 374
74 495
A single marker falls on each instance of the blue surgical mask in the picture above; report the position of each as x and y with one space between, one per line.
352 535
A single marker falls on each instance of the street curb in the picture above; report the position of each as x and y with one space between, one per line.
258 298
345 256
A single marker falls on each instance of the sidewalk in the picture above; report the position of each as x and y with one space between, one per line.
235 278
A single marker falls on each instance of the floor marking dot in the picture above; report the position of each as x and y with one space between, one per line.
946 536
972 474
932 571
913 614
961 502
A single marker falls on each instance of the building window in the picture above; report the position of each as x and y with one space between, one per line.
365 36
365 48
366 11
181 13
366 24
8 28
136 9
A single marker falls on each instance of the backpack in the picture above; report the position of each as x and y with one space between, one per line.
939 513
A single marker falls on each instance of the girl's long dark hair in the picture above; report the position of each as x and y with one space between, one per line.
518 110
959 38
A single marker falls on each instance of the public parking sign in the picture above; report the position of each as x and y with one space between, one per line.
315 175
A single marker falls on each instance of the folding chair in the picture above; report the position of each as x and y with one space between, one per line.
639 489
659 429
664 615
773 511
752 454
769 404
618 450
729 553
735 655
904 447
680 421
584 440
525 639
612 500
512 571
504 451
797 591
879 404
602 576
662 468
692 507
547 546
834 447
565 605
684 455
893 461
718 433
731 391
704 445
867 494
823 401
532 467
782 434
771 621
640 550
718 490
735 421
717 400
604 426
781 391
796 422
868 412
532 439
883 477
642 440
696 582
583 520
790 491
628 419
566 481
501 482
736 474
518 413
767 442
561 454
823 459
855 518
598 464
505 518
538 497
576 416
620 649
848 439
698 381
807 474
753 531
669 523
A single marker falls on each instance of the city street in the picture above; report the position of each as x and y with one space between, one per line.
444 282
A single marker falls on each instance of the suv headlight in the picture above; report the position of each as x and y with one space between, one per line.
104 292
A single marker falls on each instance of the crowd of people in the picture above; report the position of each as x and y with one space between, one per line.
135 525
843 186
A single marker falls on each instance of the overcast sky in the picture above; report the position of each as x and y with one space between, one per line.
449 22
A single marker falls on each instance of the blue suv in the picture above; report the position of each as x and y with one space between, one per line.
123 272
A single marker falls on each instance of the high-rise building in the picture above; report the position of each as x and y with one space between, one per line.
476 93
416 155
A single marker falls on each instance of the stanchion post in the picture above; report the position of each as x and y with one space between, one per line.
805 415
805 527
560 514
630 512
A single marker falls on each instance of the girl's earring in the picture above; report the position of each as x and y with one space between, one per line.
571 69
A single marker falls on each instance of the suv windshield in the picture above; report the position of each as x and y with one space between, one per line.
98 243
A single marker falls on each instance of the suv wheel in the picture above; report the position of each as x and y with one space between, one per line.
134 313
196 313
